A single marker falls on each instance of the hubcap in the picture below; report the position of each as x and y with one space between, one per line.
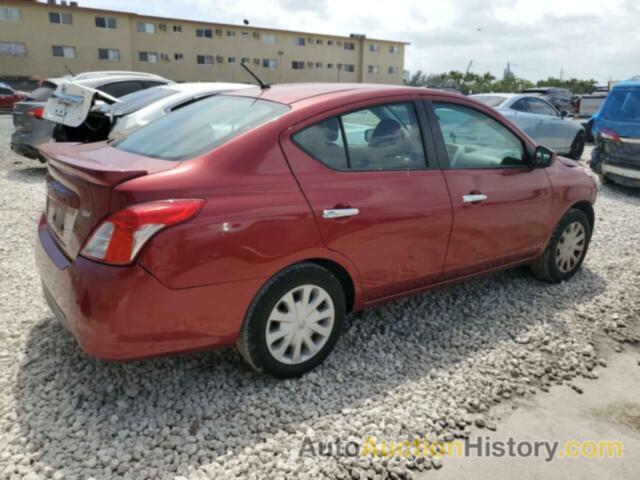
300 324
570 247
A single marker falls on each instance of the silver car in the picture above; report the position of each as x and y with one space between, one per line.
540 120
31 129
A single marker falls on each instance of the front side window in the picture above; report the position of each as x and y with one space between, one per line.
541 107
475 140
200 127
384 137
521 106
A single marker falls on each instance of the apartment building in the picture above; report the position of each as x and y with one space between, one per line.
51 39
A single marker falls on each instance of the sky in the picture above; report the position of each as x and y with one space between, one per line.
540 38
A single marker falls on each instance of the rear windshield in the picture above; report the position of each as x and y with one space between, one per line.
199 127
622 105
40 94
135 101
490 100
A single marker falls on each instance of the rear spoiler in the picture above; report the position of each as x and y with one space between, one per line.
91 171
71 103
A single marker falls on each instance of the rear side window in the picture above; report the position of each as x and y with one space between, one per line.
119 89
200 127
140 99
384 137
622 105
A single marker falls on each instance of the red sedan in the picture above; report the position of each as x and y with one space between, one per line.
9 96
261 217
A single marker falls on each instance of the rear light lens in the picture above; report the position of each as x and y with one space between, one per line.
36 112
121 236
609 135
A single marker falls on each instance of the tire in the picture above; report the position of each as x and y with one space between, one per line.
577 147
550 266
279 299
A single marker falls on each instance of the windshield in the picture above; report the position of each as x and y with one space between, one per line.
137 100
622 105
199 127
490 100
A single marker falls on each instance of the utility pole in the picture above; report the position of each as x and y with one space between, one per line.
469 67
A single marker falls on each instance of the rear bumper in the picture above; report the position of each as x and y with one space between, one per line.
125 313
25 151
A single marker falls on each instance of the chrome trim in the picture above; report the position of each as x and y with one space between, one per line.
474 198
340 212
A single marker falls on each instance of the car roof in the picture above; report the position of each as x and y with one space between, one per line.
204 87
633 82
291 93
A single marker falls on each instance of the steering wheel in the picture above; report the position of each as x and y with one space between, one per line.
455 155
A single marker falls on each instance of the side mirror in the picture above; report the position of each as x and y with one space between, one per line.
542 157
368 134
563 114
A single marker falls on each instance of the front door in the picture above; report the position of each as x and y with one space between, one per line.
500 204
376 193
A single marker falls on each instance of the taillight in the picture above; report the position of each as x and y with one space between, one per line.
609 135
36 112
119 238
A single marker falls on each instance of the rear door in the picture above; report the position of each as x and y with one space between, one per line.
551 129
500 204
370 175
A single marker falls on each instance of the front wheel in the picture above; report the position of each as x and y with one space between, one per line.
294 321
566 250
577 147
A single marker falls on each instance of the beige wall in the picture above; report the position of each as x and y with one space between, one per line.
39 35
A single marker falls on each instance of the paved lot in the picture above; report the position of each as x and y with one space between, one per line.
430 365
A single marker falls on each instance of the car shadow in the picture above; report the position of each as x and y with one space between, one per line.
35 174
207 404
617 191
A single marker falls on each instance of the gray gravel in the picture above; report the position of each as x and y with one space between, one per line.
430 365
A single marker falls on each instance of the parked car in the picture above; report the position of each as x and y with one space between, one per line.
31 129
103 119
9 96
588 105
540 120
616 129
560 98
261 217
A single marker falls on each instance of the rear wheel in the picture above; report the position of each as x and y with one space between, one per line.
566 249
294 321
577 147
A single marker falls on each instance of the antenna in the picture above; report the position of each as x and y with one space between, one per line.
263 85
68 70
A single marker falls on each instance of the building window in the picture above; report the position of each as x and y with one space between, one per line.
270 63
106 22
162 27
268 39
205 60
148 57
244 35
61 18
13 49
245 60
349 67
330 43
310 64
256 35
394 49
300 41
394 70
231 33
204 33
146 27
219 59
374 69
178 57
64 52
374 47
319 41
110 54
297 65
10 14
349 46
318 64
219 32
329 65
177 28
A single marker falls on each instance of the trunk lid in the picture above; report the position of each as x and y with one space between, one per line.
80 182
71 103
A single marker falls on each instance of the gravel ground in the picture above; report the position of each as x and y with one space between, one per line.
429 365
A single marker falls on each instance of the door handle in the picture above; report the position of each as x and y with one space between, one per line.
340 212
476 197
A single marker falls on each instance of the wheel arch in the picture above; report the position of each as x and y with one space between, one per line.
344 277
587 208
